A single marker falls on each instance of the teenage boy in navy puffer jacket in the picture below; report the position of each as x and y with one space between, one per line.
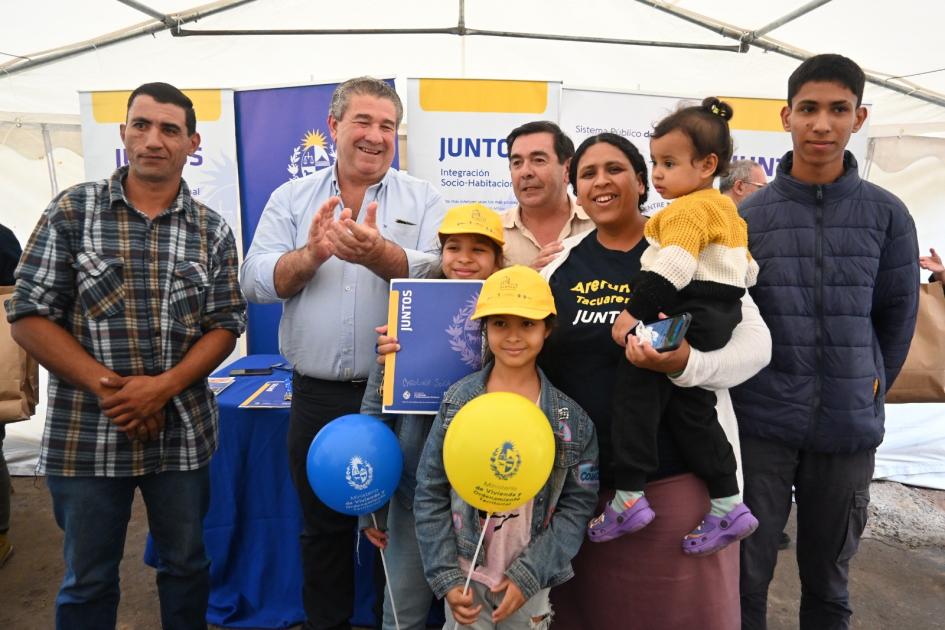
838 288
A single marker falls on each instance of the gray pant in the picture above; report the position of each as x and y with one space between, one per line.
832 493
4 485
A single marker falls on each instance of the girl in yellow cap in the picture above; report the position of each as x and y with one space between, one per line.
471 240
528 550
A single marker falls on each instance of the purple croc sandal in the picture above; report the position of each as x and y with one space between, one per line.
610 524
717 532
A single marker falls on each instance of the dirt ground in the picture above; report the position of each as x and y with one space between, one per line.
897 579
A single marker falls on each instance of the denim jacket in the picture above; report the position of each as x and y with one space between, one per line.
448 527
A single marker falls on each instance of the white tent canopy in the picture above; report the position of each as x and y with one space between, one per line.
891 40
896 42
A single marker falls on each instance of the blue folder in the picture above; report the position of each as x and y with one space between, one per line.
439 343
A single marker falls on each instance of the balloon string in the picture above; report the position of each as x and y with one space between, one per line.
390 591
472 565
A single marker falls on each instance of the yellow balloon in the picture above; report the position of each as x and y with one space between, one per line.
498 451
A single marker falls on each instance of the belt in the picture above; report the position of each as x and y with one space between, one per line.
358 382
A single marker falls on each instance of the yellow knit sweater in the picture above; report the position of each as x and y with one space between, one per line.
700 236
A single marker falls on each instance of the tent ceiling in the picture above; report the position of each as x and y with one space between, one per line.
27 140
893 38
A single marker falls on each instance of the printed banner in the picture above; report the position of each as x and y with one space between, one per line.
756 126
210 171
438 343
282 134
458 129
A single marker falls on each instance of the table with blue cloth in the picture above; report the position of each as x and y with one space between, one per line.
252 527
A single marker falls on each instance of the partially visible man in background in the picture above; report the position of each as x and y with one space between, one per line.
9 256
744 179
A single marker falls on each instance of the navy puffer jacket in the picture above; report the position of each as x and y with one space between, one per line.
838 288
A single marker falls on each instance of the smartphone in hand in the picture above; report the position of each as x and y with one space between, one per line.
667 334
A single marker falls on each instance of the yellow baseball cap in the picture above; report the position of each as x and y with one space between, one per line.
515 290
473 218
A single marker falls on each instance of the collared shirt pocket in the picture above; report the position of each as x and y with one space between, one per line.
188 292
403 232
100 284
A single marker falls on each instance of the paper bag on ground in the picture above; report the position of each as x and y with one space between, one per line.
922 378
19 372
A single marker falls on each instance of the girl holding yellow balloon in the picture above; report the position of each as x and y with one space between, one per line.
471 238
503 475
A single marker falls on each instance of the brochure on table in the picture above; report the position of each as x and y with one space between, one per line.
270 395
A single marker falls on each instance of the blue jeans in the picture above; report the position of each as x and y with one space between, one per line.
93 512
412 594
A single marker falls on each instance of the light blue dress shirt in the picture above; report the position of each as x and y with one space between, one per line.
327 329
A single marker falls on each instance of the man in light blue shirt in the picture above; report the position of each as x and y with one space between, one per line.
325 246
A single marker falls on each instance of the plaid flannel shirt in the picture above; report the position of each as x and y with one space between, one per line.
137 294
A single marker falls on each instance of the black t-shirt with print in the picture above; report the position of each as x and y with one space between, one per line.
591 288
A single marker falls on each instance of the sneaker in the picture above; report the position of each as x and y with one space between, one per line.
6 549
610 524
717 532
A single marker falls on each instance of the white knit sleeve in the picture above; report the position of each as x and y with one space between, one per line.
746 353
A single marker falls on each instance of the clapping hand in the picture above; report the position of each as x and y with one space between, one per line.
318 246
359 243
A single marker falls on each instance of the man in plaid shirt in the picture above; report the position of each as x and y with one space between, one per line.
128 293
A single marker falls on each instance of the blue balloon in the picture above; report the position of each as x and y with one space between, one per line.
354 464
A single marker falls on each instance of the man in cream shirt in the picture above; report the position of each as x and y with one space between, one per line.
539 156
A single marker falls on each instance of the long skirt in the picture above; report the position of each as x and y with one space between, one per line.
644 581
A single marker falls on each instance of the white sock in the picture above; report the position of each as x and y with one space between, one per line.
724 505
624 499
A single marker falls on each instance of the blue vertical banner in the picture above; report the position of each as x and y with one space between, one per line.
281 134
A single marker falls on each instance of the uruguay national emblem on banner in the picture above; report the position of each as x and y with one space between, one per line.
466 335
313 153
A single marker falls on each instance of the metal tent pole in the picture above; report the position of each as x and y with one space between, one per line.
145 28
744 36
